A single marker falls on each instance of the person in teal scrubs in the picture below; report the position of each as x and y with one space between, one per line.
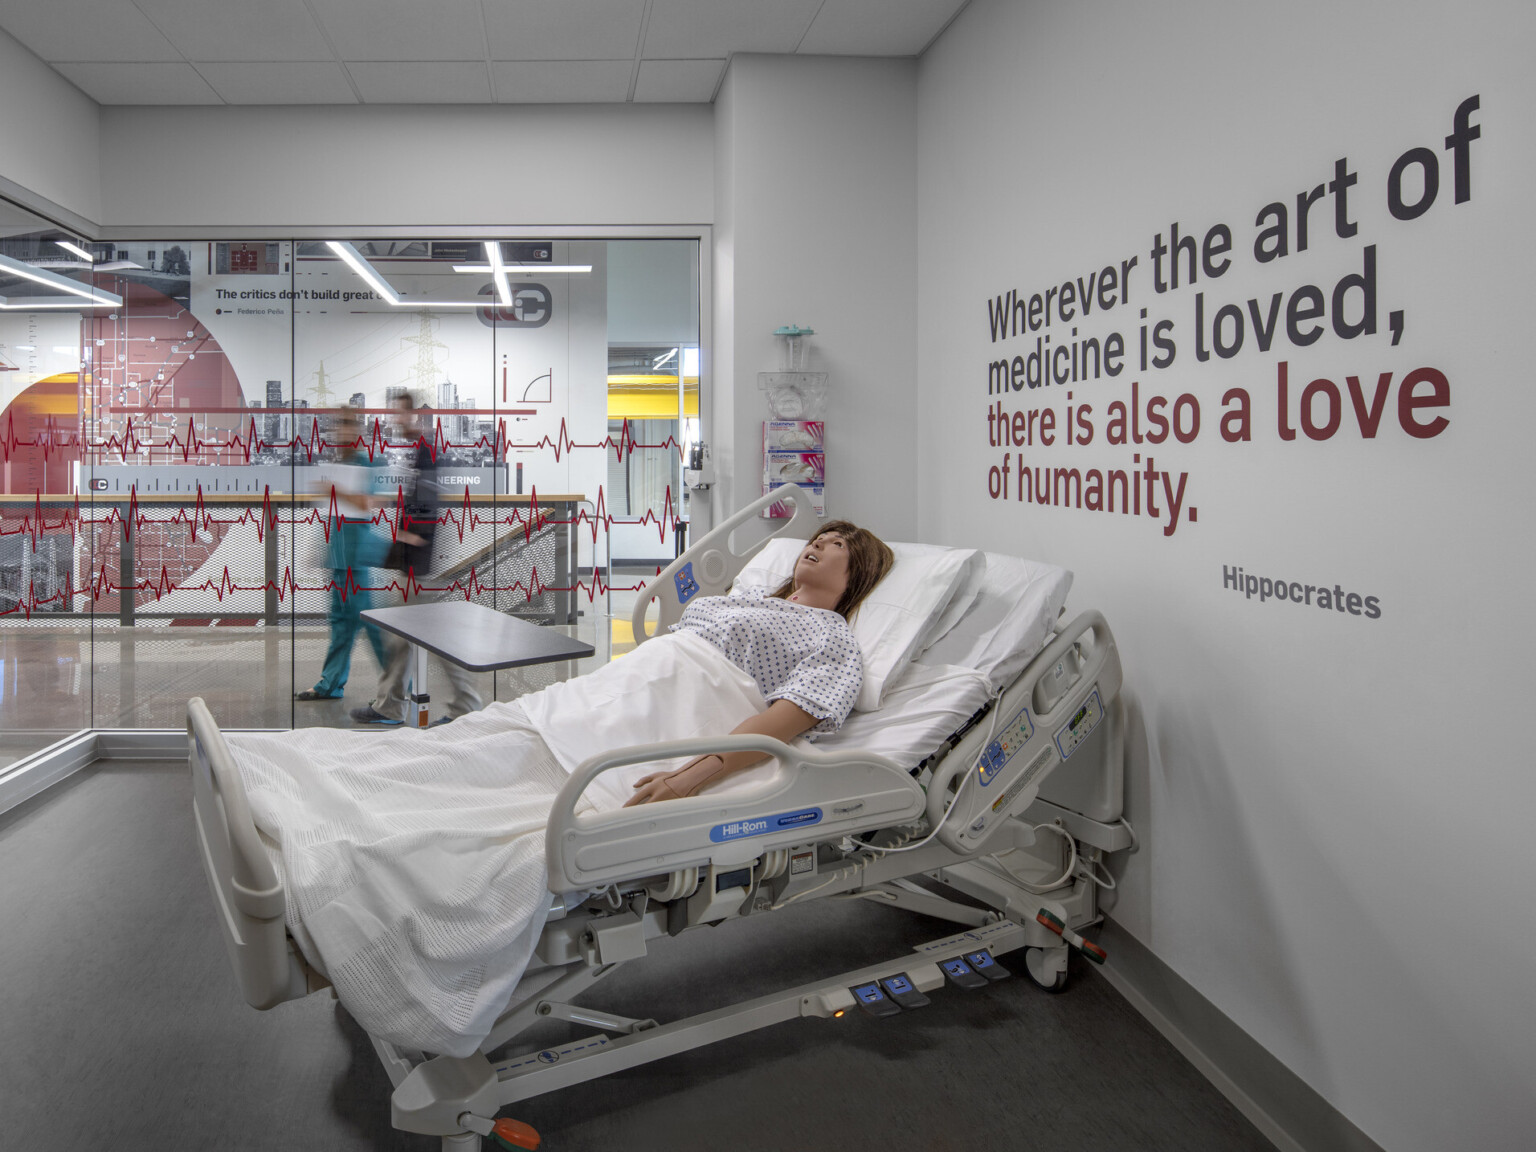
356 545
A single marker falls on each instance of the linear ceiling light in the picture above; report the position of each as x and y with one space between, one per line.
72 247
486 269
47 303
354 260
498 273
53 280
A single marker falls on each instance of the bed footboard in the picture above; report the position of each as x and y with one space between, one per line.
246 890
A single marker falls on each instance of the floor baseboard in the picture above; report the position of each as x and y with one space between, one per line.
1273 1098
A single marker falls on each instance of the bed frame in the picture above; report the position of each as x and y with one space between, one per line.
663 870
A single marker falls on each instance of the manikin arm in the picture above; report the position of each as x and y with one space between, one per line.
781 720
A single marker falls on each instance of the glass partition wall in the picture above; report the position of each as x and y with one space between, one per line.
183 423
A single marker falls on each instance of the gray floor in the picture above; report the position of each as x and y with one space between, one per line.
123 1027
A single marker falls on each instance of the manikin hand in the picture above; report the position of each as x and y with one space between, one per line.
685 781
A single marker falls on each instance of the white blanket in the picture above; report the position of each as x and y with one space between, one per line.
413 861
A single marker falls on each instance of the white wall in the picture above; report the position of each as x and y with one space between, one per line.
281 168
1334 810
49 135
815 213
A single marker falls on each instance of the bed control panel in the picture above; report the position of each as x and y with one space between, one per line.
1081 726
687 586
1007 745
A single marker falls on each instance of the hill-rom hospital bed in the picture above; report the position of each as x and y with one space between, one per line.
978 781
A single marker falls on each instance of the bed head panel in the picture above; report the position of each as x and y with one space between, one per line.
709 566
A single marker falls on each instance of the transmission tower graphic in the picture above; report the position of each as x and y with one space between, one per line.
321 390
426 370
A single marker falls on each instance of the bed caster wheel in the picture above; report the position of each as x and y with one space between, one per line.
1047 967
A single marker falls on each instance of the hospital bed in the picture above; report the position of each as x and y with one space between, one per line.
998 827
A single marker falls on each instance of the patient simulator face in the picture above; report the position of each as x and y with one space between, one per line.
821 573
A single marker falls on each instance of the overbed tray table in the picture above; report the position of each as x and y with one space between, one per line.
473 637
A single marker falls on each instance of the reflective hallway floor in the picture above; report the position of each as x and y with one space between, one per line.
56 679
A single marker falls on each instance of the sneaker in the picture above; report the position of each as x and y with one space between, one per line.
441 720
368 714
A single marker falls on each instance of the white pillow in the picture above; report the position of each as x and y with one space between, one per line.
907 610
1007 626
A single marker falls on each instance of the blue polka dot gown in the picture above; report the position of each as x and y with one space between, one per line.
805 655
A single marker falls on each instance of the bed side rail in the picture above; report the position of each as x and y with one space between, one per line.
1044 718
707 568
811 796
246 889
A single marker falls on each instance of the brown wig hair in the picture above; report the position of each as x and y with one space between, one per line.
869 559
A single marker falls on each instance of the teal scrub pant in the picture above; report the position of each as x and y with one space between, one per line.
355 548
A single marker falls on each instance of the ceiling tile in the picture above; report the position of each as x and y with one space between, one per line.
403 29
85 30
877 27
148 83
421 82
564 29
307 82
678 81
690 29
562 81
239 29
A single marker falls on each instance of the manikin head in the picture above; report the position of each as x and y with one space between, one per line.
838 568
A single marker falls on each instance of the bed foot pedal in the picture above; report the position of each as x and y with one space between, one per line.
872 998
961 974
983 964
889 995
504 1133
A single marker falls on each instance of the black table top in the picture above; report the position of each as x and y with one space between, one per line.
476 637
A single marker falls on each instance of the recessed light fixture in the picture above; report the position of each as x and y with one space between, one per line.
354 260
498 273
97 298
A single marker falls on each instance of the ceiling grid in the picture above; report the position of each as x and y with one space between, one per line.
254 52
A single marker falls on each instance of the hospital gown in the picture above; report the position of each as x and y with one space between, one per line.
794 652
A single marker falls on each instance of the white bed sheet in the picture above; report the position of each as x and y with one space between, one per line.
413 861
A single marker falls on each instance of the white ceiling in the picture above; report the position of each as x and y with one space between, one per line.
444 51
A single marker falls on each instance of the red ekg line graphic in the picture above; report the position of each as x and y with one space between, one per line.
179 448
56 440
